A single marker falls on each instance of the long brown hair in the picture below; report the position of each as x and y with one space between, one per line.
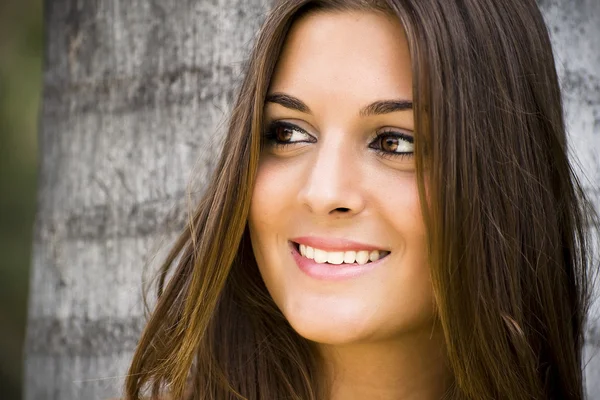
508 223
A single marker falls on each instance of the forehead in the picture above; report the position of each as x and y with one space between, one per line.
345 55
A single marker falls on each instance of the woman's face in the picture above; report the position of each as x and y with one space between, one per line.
336 185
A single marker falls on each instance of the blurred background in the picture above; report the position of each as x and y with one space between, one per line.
21 34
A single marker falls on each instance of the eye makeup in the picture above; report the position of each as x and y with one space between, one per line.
393 144
281 134
389 143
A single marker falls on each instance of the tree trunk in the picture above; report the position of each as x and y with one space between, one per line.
135 96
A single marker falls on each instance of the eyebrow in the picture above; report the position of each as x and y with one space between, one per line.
385 107
376 108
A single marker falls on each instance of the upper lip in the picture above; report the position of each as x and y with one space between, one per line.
334 244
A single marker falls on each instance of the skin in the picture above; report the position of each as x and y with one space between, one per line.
377 330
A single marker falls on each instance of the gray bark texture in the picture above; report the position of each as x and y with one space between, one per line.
136 94
574 27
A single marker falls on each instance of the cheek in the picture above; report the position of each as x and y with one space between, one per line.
412 289
398 205
266 200
267 215
271 209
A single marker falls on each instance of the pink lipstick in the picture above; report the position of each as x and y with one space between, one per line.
336 270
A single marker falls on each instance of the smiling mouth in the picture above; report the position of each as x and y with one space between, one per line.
359 257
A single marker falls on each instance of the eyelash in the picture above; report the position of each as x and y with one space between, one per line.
389 154
271 136
271 139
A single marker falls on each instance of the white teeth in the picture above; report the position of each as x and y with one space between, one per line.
335 257
339 257
309 252
349 257
320 256
362 257
374 255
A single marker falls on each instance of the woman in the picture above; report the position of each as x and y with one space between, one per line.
393 217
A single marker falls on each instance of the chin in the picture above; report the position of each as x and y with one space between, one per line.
329 333
341 324
335 320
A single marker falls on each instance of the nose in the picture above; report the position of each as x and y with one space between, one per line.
333 185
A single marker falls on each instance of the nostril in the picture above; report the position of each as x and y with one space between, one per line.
342 209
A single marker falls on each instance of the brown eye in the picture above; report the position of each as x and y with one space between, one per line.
393 143
389 143
283 133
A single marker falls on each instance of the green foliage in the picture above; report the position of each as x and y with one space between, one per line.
20 88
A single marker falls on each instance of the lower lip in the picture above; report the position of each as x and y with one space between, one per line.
331 272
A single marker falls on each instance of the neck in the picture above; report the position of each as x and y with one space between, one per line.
412 367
